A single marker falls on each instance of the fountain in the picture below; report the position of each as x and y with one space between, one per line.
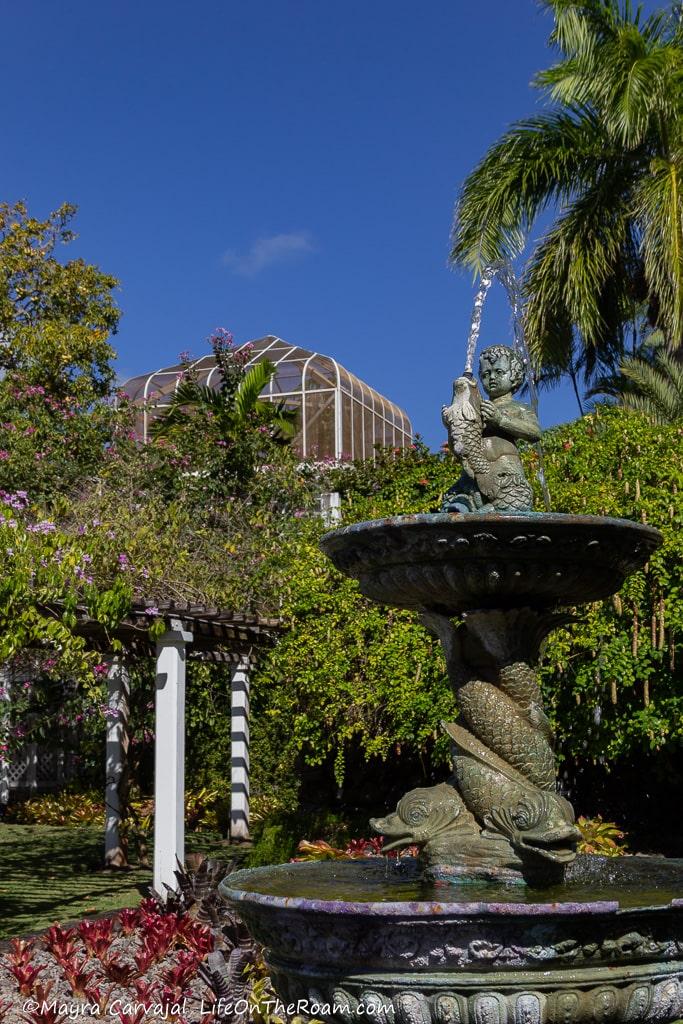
498 921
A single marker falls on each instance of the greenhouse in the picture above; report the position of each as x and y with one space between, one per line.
340 417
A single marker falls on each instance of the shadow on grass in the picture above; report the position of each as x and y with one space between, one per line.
49 874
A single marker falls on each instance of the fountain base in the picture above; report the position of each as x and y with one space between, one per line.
360 938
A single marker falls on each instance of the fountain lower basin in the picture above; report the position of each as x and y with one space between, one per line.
361 938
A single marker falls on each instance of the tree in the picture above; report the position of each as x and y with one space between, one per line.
650 381
608 159
55 318
230 429
55 356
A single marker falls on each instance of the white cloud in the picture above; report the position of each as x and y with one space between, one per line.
265 252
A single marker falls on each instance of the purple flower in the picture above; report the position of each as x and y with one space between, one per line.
45 526
151 610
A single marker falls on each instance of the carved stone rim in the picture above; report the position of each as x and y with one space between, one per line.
480 519
230 891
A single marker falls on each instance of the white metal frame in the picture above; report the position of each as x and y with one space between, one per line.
348 389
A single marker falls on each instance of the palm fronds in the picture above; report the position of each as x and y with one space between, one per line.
608 159
653 386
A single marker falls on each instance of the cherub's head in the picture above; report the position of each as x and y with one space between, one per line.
501 371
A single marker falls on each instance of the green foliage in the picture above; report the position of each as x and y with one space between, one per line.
600 837
612 681
276 845
650 382
606 157
349 673
54 317
55 320
60 809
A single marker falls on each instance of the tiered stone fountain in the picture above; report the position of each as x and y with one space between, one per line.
498 921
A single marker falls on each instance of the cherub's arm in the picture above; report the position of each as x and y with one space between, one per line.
520 421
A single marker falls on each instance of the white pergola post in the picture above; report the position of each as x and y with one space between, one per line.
169 756
239 750
117 752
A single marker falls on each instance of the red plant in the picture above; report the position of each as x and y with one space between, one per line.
169 998
117 970
195 936
133 1018
158 933
76 975
149 906
365 847
144 959
97 935
61 943
25 976
21 952
5 1005
129 920
46 1010
146 991
179 974
99 997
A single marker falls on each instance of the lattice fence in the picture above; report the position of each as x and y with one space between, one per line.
36 770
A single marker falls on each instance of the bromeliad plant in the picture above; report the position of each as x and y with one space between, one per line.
601 837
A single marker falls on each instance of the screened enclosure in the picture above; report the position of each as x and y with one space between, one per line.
339 416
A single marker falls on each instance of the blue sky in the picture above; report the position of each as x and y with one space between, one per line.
274 167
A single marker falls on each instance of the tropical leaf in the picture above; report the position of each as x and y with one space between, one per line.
251 386
650 384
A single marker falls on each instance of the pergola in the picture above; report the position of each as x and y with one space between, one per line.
191 631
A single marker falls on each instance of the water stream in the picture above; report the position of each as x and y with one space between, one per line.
486 280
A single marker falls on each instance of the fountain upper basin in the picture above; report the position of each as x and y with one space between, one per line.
451 562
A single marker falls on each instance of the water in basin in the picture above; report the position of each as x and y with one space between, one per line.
628 881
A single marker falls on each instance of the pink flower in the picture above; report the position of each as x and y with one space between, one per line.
4 454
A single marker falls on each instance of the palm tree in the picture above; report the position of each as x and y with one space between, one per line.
650 382
607 157
233 407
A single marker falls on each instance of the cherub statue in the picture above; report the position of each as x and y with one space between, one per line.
483 433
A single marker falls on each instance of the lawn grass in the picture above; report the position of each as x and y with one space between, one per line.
50 873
